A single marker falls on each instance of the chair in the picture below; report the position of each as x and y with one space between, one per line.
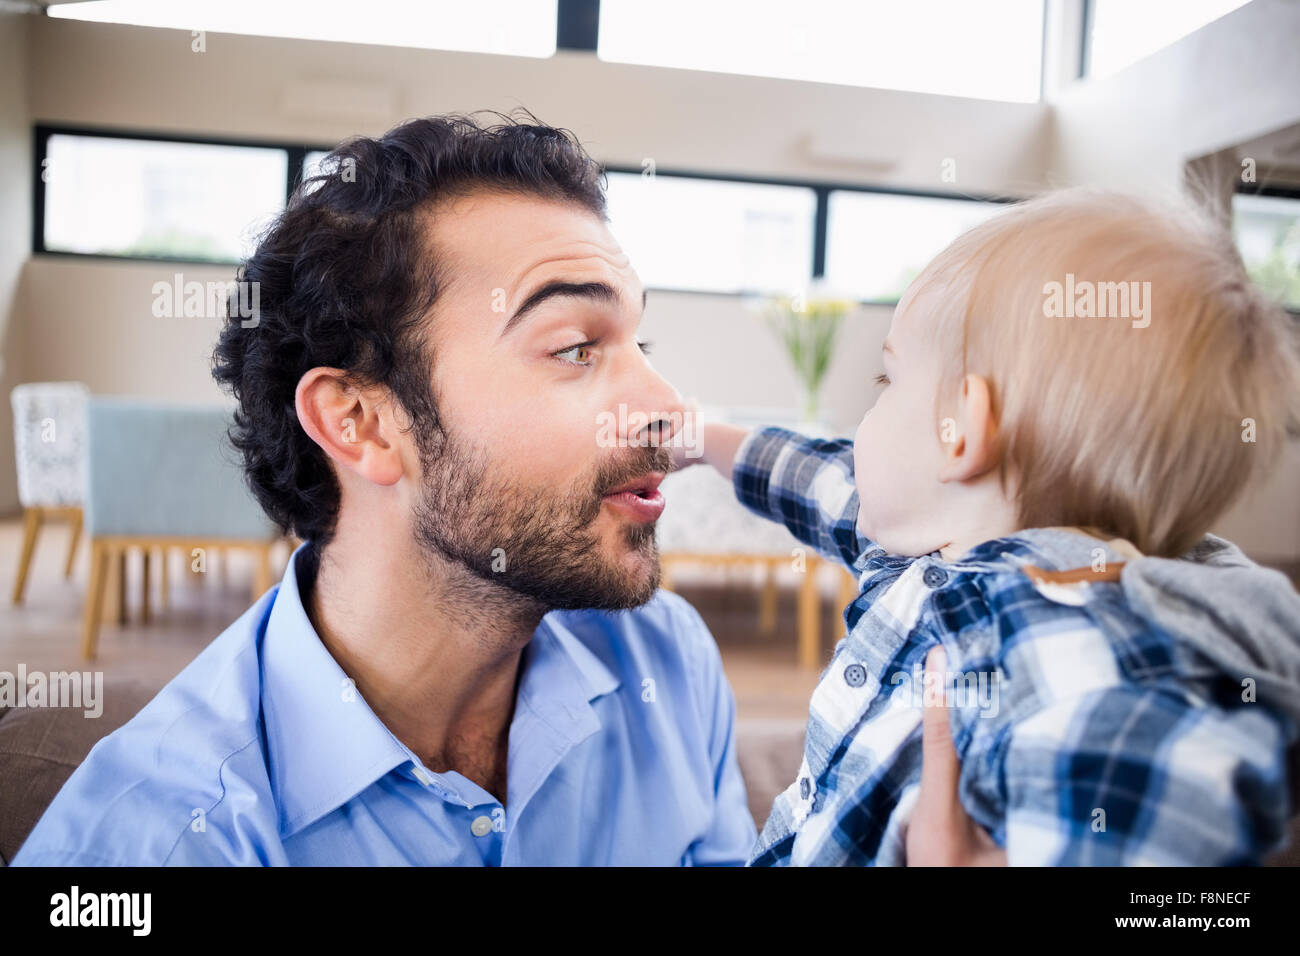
50 446
164 476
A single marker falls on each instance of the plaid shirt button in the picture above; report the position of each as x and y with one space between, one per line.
934 577
804 787
855 675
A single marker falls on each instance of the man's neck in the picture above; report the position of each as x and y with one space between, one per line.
433 649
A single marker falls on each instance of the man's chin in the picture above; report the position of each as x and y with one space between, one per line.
612 575
626 577
631 578
642 578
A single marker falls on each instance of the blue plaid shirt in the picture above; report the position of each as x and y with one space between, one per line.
1087 735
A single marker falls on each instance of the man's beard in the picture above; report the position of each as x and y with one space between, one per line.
540 544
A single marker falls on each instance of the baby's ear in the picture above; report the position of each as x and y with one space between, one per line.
969 441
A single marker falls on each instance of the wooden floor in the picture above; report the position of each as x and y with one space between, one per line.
44 632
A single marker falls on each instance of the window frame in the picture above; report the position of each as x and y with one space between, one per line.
296 153
822 190
41 133
1280 192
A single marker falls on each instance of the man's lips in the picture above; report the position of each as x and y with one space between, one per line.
638 499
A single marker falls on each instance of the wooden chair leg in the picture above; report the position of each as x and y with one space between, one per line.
73 540
164 582
261 571
31 528
767 600
810 651
145 611
109 614
94 610
115 588
121 586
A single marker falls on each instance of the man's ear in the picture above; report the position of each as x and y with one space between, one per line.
352 425
972 450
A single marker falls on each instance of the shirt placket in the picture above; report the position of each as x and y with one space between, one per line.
482 819
853 682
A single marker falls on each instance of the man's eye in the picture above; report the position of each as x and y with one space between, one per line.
579 354
882 379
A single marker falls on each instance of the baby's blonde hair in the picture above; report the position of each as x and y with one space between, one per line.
1144 427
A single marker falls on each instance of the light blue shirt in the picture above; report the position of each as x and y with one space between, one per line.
621 751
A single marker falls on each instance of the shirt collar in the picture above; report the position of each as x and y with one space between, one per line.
596 678
1055 549
325 745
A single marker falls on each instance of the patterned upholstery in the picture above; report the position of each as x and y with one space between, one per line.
167 470
50 441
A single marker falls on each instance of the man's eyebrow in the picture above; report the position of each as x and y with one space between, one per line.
594 291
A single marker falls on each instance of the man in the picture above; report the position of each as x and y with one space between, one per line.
467 662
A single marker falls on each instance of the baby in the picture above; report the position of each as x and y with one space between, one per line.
1074 392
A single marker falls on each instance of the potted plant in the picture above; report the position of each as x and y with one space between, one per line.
808 328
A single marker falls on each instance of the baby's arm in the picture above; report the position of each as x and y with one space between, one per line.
804 483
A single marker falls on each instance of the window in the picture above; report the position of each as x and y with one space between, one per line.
1267 229
516 27
877 243
713 235
158 199
132 196
1125 31
952 47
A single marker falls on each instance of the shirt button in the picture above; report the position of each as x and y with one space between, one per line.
855 675
804 787
934 577
481 826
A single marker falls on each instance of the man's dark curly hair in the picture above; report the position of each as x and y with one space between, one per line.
346 278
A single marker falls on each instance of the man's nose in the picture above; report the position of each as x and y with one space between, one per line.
656 412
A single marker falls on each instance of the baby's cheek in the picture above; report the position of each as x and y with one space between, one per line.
873 497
